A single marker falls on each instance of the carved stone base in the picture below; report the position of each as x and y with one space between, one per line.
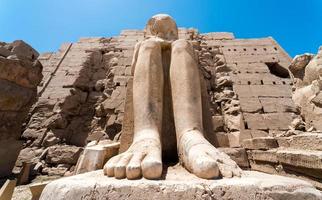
179 184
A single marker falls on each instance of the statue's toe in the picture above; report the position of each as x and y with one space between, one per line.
133 169
110 165
152 165
204 166
120 167
227 167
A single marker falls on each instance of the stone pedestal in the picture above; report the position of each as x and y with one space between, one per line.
177 183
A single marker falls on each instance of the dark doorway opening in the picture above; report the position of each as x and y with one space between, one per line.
278 70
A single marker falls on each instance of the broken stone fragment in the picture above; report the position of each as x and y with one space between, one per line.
63 154
107 56
4 52
224 81
218 123
307 70
234 139
50 139
100 85
21 72
298 124
14 97
225 95
56 121
219 60
110 104
31 155
299 63
55 171
96 155
23 50
233 122
113 62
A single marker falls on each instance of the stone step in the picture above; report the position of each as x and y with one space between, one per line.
263 143
305 141
306 162
300 158
292 157
266 156
300 162
275 168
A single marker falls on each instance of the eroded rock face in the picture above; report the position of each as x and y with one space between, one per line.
81 99
307 72
20 74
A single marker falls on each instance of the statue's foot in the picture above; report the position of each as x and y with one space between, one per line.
142 158
203 159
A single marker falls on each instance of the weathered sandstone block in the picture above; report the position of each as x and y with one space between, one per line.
301 158
265 156
260 143
63 154
306 141
95 155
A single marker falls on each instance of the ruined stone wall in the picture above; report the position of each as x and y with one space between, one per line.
20 73
76 81
257 114
255 76
254 115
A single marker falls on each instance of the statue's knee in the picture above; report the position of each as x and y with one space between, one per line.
149 45
179 46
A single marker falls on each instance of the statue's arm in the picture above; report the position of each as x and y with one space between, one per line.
135 56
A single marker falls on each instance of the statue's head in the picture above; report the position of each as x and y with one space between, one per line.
163 26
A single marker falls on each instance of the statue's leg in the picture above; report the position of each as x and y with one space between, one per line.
144 155
195 152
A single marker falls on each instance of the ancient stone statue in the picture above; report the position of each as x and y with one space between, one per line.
196 154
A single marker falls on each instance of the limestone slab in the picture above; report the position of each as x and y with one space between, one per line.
306 141
263 143
301 158
95 156
266 156
179 184
37 188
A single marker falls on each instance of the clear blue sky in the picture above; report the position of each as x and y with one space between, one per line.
45 24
